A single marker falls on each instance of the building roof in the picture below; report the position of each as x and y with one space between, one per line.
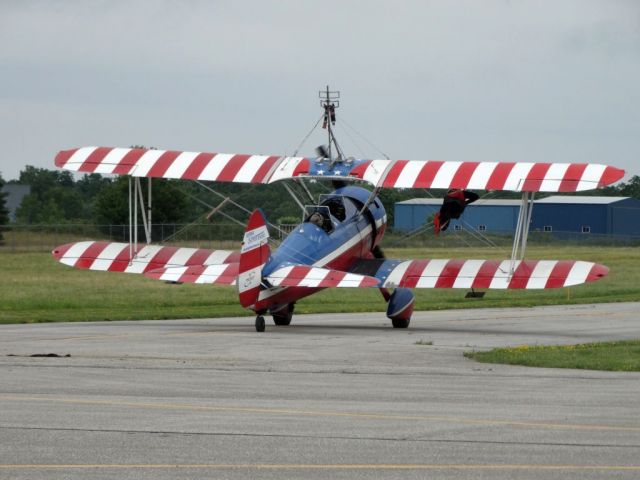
560 199
585 200
15 195
438 202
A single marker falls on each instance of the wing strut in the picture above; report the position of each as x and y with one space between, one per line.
146 217
135 194
522 230
293 195
378 187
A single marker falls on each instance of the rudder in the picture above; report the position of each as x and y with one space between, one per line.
254 255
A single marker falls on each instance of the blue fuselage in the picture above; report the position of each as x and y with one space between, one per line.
355 235
348 234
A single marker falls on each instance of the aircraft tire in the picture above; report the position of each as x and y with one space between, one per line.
260 324
400 322
284 318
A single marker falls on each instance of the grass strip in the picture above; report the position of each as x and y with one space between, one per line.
34 287
621 356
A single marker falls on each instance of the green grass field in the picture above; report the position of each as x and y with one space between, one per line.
621 356
35 288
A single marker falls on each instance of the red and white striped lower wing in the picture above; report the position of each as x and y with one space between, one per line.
518 177
115 257
487 274
220 167
314 277
225 274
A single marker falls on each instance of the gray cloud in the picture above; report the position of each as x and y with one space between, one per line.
493 80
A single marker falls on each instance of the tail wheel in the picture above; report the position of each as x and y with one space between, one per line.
260 324
283 317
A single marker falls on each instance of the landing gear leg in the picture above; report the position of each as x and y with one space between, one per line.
260 324
399 306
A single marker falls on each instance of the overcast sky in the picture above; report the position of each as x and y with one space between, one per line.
449 80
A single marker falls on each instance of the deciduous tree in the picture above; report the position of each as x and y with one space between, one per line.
4 212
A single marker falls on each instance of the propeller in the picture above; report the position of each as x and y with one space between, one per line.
322 151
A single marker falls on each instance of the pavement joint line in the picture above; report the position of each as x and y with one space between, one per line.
190 334
313 413
87 337
569 313
419 439
302 466
128 335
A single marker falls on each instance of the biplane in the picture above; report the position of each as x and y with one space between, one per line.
337 245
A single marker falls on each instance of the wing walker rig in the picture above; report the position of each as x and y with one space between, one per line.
337 243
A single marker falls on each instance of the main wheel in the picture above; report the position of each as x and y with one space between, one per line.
400 322
283 317
400 307
281 320
260 324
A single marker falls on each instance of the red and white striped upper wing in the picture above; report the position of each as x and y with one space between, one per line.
115 257
518 177
240 168
484 274
221 167
315 277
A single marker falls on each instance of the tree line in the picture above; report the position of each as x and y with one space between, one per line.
57 197
4 212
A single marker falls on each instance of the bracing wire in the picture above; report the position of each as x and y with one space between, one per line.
236 204
244 209
371 144
189 225
295 153
346 132
478 235
208 205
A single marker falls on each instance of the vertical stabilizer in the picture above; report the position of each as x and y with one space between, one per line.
253 256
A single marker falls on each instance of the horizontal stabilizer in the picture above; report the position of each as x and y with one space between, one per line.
241 168
314 277
224 274
481 274
116 257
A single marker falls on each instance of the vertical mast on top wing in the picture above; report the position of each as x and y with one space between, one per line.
329 101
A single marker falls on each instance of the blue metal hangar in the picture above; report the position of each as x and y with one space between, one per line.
560 214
